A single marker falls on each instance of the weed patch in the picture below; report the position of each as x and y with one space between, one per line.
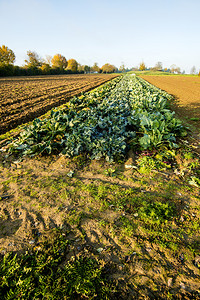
39 274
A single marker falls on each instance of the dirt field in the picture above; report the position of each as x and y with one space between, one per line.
24 98
186 90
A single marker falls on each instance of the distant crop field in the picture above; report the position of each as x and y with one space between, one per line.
24 98
186 90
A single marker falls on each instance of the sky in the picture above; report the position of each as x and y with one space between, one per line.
105 31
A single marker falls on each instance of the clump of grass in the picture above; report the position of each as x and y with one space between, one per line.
39 275
157 211
194 119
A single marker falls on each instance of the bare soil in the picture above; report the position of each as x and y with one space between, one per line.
24 98
186 91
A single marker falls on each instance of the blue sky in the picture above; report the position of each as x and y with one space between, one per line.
113 31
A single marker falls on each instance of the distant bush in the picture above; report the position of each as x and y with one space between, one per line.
10 70
45 68
6 70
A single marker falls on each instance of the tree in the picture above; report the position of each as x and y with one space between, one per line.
193 70
158 66
87 69
72 65
95 68
142 66
59 61
107 68
175 69
80 68
7 56
33 61
122 68
48 59
45 68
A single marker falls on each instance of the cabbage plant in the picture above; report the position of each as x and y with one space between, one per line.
125 112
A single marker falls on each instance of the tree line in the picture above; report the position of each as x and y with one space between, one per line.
58 64
159 67
173 69
35 65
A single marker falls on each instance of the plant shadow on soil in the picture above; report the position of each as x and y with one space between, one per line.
189 113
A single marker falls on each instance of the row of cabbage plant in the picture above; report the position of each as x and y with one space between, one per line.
125 112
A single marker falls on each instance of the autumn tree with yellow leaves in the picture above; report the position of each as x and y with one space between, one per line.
107 68
59 61
142 66
33 60
72 65
95 68
7 56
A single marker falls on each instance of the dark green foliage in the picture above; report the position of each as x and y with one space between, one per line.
7 70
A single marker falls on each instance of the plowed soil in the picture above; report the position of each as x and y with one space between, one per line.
24 98
186 91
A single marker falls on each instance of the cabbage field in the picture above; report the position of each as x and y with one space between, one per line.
99 197
125 113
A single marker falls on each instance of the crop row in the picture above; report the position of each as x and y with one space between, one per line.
22 100
105 123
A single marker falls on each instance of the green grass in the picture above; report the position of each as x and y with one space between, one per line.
156 212
40 274
194 119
